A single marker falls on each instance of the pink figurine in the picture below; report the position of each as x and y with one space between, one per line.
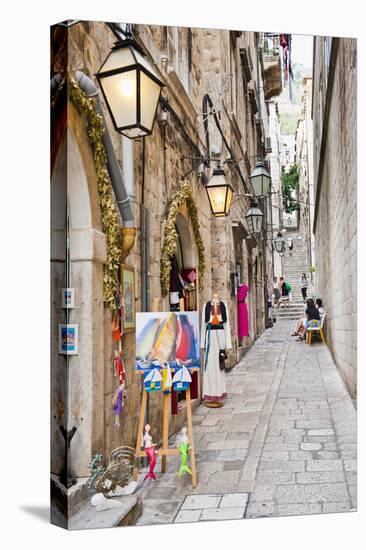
150 452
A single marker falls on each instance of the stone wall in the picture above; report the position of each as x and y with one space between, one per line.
213 66
336 199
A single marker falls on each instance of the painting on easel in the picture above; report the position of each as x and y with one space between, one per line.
167 338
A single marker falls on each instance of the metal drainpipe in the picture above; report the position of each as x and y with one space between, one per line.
145 253
114 170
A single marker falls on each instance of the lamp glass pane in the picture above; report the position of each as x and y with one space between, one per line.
250 224
229 198
278 245
120 90
260 184
257 223
118 59
257 185
144 62
149 96
217 196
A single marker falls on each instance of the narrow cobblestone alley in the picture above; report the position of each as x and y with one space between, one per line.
283 444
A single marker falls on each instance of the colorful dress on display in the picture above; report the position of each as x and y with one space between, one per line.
243 318
215 336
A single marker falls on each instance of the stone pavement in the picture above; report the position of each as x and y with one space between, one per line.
283 444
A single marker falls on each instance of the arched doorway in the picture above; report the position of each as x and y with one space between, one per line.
183 290
183 296
77 380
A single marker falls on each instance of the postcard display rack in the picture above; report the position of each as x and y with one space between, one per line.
175 366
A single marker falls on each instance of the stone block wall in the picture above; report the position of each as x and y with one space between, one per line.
336 214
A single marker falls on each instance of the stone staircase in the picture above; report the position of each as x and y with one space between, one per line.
293 267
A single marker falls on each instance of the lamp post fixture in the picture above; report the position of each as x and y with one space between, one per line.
279 243
131 89
254 218
220 193
260 180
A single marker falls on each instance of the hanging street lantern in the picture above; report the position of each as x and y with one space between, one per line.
131 89
220 193
261 180
279 244
254 218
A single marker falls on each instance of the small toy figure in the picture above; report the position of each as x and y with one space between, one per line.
118 367
150 452
117 403
183 446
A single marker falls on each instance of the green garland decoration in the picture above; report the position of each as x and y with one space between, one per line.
184 194
94 126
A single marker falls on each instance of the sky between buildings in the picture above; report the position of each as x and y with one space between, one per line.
302 49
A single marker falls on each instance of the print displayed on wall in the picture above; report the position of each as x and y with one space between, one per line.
68 298
179 220
128 293
167 338
68 339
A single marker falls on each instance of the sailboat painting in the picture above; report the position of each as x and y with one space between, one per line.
167 338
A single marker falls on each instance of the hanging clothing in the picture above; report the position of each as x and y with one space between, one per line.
243 317
215 336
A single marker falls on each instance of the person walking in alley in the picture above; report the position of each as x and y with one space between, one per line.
285 292
304 286
276 292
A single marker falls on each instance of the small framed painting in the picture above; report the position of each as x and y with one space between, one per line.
128 293
68 339
68 298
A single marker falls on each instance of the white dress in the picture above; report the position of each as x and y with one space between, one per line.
214 385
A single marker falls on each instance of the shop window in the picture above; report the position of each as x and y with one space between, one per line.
179 53
232 75
172 46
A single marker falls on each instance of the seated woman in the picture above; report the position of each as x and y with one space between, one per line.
319 306
301 322
312 313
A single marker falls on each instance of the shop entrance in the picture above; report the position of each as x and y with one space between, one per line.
183 295
183 275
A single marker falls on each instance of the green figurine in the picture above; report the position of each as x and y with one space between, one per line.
183 446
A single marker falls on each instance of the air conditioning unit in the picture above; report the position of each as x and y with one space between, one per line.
268 145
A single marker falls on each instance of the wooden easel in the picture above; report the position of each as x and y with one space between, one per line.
165 450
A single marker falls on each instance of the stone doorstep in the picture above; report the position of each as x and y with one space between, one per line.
127 514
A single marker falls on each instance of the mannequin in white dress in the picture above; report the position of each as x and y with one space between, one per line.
215 336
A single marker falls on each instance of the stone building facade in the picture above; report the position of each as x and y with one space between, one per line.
275 207
304 161
192 62
335 219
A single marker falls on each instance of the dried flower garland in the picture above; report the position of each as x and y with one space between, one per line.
184 194
86 106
